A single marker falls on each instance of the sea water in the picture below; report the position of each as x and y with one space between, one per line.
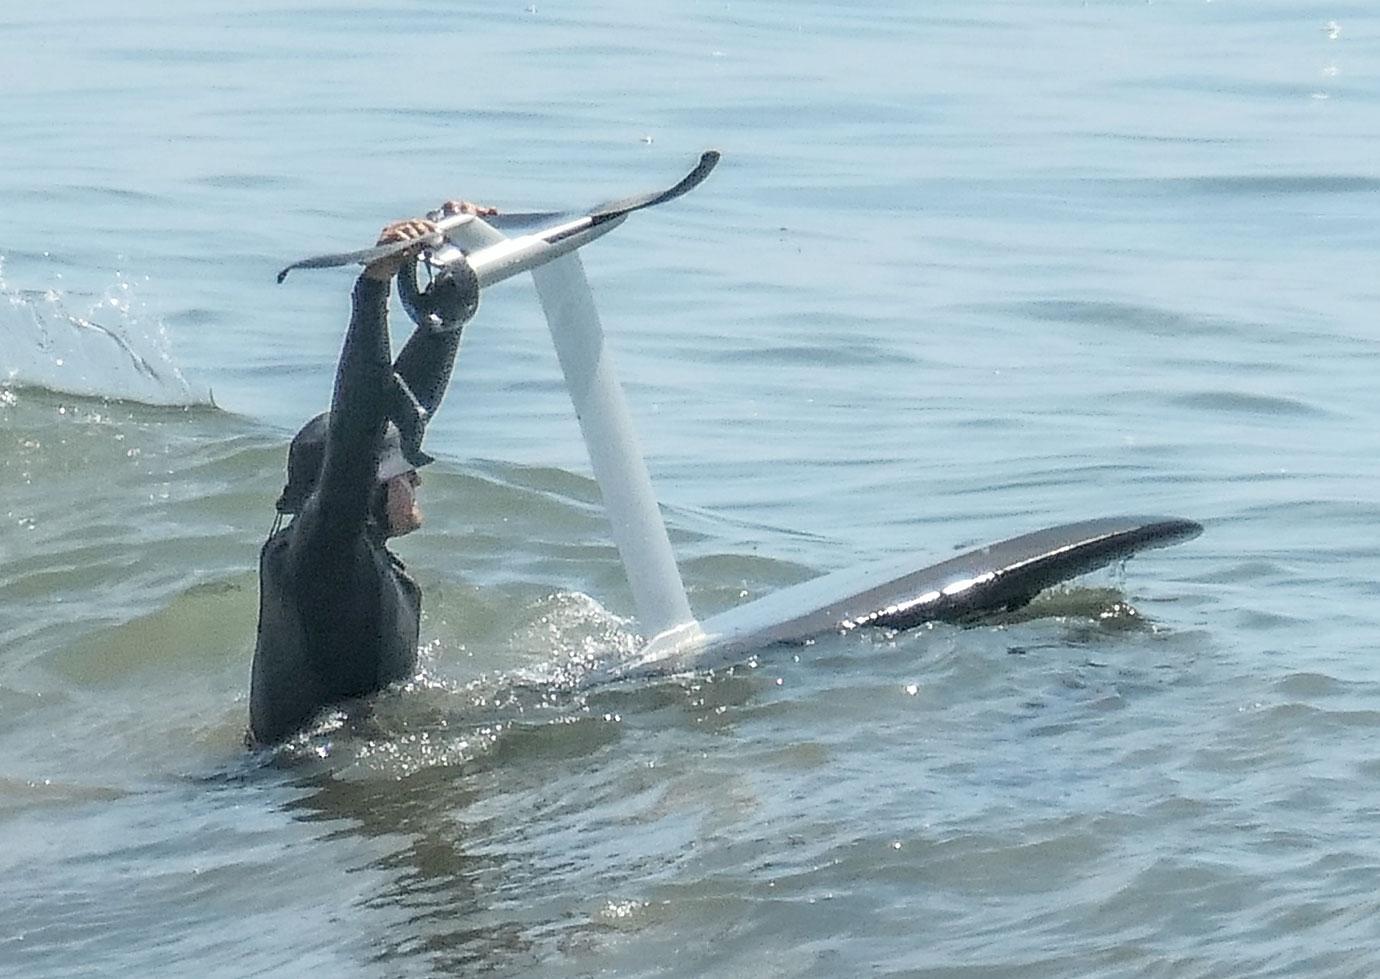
966 270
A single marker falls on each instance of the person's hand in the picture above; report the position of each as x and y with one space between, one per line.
466 207
385 268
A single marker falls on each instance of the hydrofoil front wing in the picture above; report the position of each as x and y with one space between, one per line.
552 226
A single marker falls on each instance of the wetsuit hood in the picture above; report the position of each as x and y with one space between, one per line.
308 451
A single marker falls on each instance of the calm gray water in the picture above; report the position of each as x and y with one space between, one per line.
966 270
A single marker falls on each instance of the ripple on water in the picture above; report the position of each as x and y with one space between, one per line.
1242 402
1277 185
1155 321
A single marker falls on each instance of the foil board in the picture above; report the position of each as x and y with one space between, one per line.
894 594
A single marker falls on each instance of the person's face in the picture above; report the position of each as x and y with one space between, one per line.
404 515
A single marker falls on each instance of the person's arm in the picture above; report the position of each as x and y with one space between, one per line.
428 357
426 361
339 506
359 409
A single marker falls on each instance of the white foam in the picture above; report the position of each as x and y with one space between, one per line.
112 350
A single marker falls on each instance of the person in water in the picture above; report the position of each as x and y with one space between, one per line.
338 613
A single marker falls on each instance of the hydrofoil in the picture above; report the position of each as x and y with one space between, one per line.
892 594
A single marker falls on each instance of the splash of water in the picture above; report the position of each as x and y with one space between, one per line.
112 350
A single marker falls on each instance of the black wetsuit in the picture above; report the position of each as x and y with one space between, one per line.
338 614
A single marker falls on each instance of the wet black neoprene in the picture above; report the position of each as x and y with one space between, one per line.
338 614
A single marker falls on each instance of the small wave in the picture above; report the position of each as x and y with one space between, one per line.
1155 321
572 636
19 795
1278 185
1251 404
109 351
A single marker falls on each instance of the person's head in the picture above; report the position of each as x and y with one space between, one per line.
393 507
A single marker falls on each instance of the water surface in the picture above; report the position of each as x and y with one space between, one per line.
964 272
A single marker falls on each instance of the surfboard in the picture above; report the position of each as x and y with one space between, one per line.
998 577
